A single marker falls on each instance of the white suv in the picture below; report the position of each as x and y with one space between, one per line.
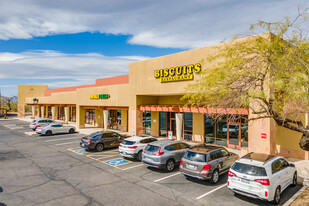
261 176
132 147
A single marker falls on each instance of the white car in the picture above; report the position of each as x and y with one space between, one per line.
261 176
132 147
39 123
55 129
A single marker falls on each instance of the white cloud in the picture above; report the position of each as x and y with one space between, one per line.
83 68
161 23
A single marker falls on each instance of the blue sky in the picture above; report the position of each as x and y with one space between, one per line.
73 42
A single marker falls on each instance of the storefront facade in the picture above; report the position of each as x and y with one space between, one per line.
148 102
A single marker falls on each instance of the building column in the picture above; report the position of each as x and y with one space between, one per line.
179 120
33 111
80 117
105 119
42 111
53 110
66 114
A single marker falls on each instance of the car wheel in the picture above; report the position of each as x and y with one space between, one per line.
139 156
170 165
48 133
214 177
71 131
277 196
99 147
294 183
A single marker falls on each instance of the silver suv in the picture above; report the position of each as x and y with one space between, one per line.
164 154
132 147
39 123
207 162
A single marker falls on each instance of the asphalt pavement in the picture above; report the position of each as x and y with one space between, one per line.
54 170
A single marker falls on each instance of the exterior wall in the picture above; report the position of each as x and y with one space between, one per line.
28 91
155 124
99 118
124 120
198 127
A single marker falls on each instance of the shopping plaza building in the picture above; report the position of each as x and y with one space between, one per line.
148 102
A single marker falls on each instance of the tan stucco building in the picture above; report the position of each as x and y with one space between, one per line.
147 101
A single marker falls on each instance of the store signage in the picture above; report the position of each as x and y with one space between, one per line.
174 74
263 135
99 96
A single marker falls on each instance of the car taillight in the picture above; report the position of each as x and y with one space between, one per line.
133 147
266 194
120 145
231 174
263 181
207 168
89 141
181 163
158 153
81 139
33 123
228 183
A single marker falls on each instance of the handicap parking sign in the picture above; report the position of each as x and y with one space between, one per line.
81 151
116 162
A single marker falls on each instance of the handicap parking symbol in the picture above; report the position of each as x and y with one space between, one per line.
81 151
116 162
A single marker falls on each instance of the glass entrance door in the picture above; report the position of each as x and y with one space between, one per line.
233 134
173 127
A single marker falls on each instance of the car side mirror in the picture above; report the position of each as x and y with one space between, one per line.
292 165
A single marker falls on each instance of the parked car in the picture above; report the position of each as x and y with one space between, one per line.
54 128
261 176
164 154
100 140
207 162
132 147
39 123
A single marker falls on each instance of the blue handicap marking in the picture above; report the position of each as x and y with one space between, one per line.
81 151
116 162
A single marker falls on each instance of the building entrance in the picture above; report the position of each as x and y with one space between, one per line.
114 119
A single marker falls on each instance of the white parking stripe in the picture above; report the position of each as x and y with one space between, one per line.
166 177
52 140
66 143
210 192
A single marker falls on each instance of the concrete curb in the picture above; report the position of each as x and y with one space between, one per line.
295 196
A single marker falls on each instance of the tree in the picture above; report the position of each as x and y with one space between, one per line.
8 104
268 73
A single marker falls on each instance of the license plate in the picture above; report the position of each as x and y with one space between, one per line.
193 167
245 181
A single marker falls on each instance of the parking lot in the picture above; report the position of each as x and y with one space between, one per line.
97 178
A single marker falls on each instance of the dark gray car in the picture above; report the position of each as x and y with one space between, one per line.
207 162
164 154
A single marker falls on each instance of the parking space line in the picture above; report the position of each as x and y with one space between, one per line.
166 177
52 140
65 143
107 156
132 167
210 192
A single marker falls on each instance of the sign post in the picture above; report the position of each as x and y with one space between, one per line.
170 134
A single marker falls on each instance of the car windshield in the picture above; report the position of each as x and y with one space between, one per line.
195 156
249 169
125 142
151 148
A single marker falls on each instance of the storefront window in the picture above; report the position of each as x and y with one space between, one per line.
146 122
209 129
61 113
244 130
221 130
188 124
114 119
163 123
89 116
73 114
